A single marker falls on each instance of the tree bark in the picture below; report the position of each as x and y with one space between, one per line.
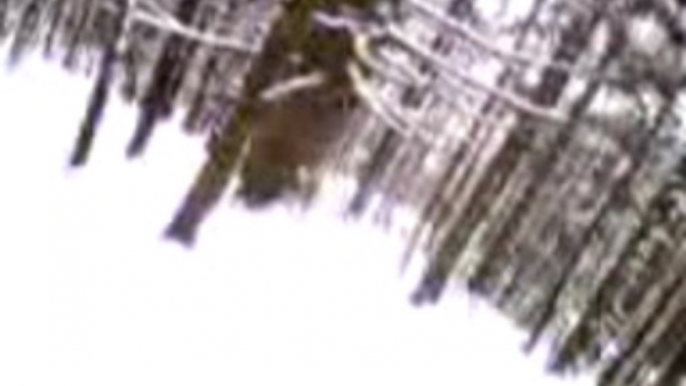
166 82
286 36
26 31
100 93
573 41
373 171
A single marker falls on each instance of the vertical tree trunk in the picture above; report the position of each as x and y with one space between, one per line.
100 93
224 147
167 79
4 12
204 194
77 23
58 9
373 171
568 350
437 210
26 31
573 41
193 121
129 87
673 375
291 33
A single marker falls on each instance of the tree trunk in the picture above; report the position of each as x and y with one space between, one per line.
438 209
373 171
26 31
204 194
568 350
4 12
166 82
193 122
573 41
292 33
100 93
224 147
58 9
76 24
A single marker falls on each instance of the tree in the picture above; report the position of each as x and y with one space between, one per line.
558 194
323 50
56 16
26 31
547 94
166 80
78 21
98 101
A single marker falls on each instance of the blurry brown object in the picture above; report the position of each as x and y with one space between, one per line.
282 130
292 132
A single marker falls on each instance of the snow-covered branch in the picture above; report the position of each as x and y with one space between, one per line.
163 20
158 17
292 85
393 119
457 79
151 13
402 76
464 31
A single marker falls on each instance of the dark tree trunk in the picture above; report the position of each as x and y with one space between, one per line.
129 88
192 123
570 246
569 351
58 9
166 82
100 94
373 171
291 33
77 24
224 147
438 208
203 196
666 321
4 11
675 371
553 82
436 275
26 31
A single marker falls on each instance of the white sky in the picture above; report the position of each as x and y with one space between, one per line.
91 295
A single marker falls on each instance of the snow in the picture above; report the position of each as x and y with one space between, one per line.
90 293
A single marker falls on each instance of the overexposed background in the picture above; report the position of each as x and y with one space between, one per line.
90 294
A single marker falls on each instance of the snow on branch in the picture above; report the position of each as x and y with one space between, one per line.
387 68
162 19
467 33
392 118
289 86
402 74
460 78
158 17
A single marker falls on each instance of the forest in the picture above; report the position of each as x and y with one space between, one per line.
541 142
